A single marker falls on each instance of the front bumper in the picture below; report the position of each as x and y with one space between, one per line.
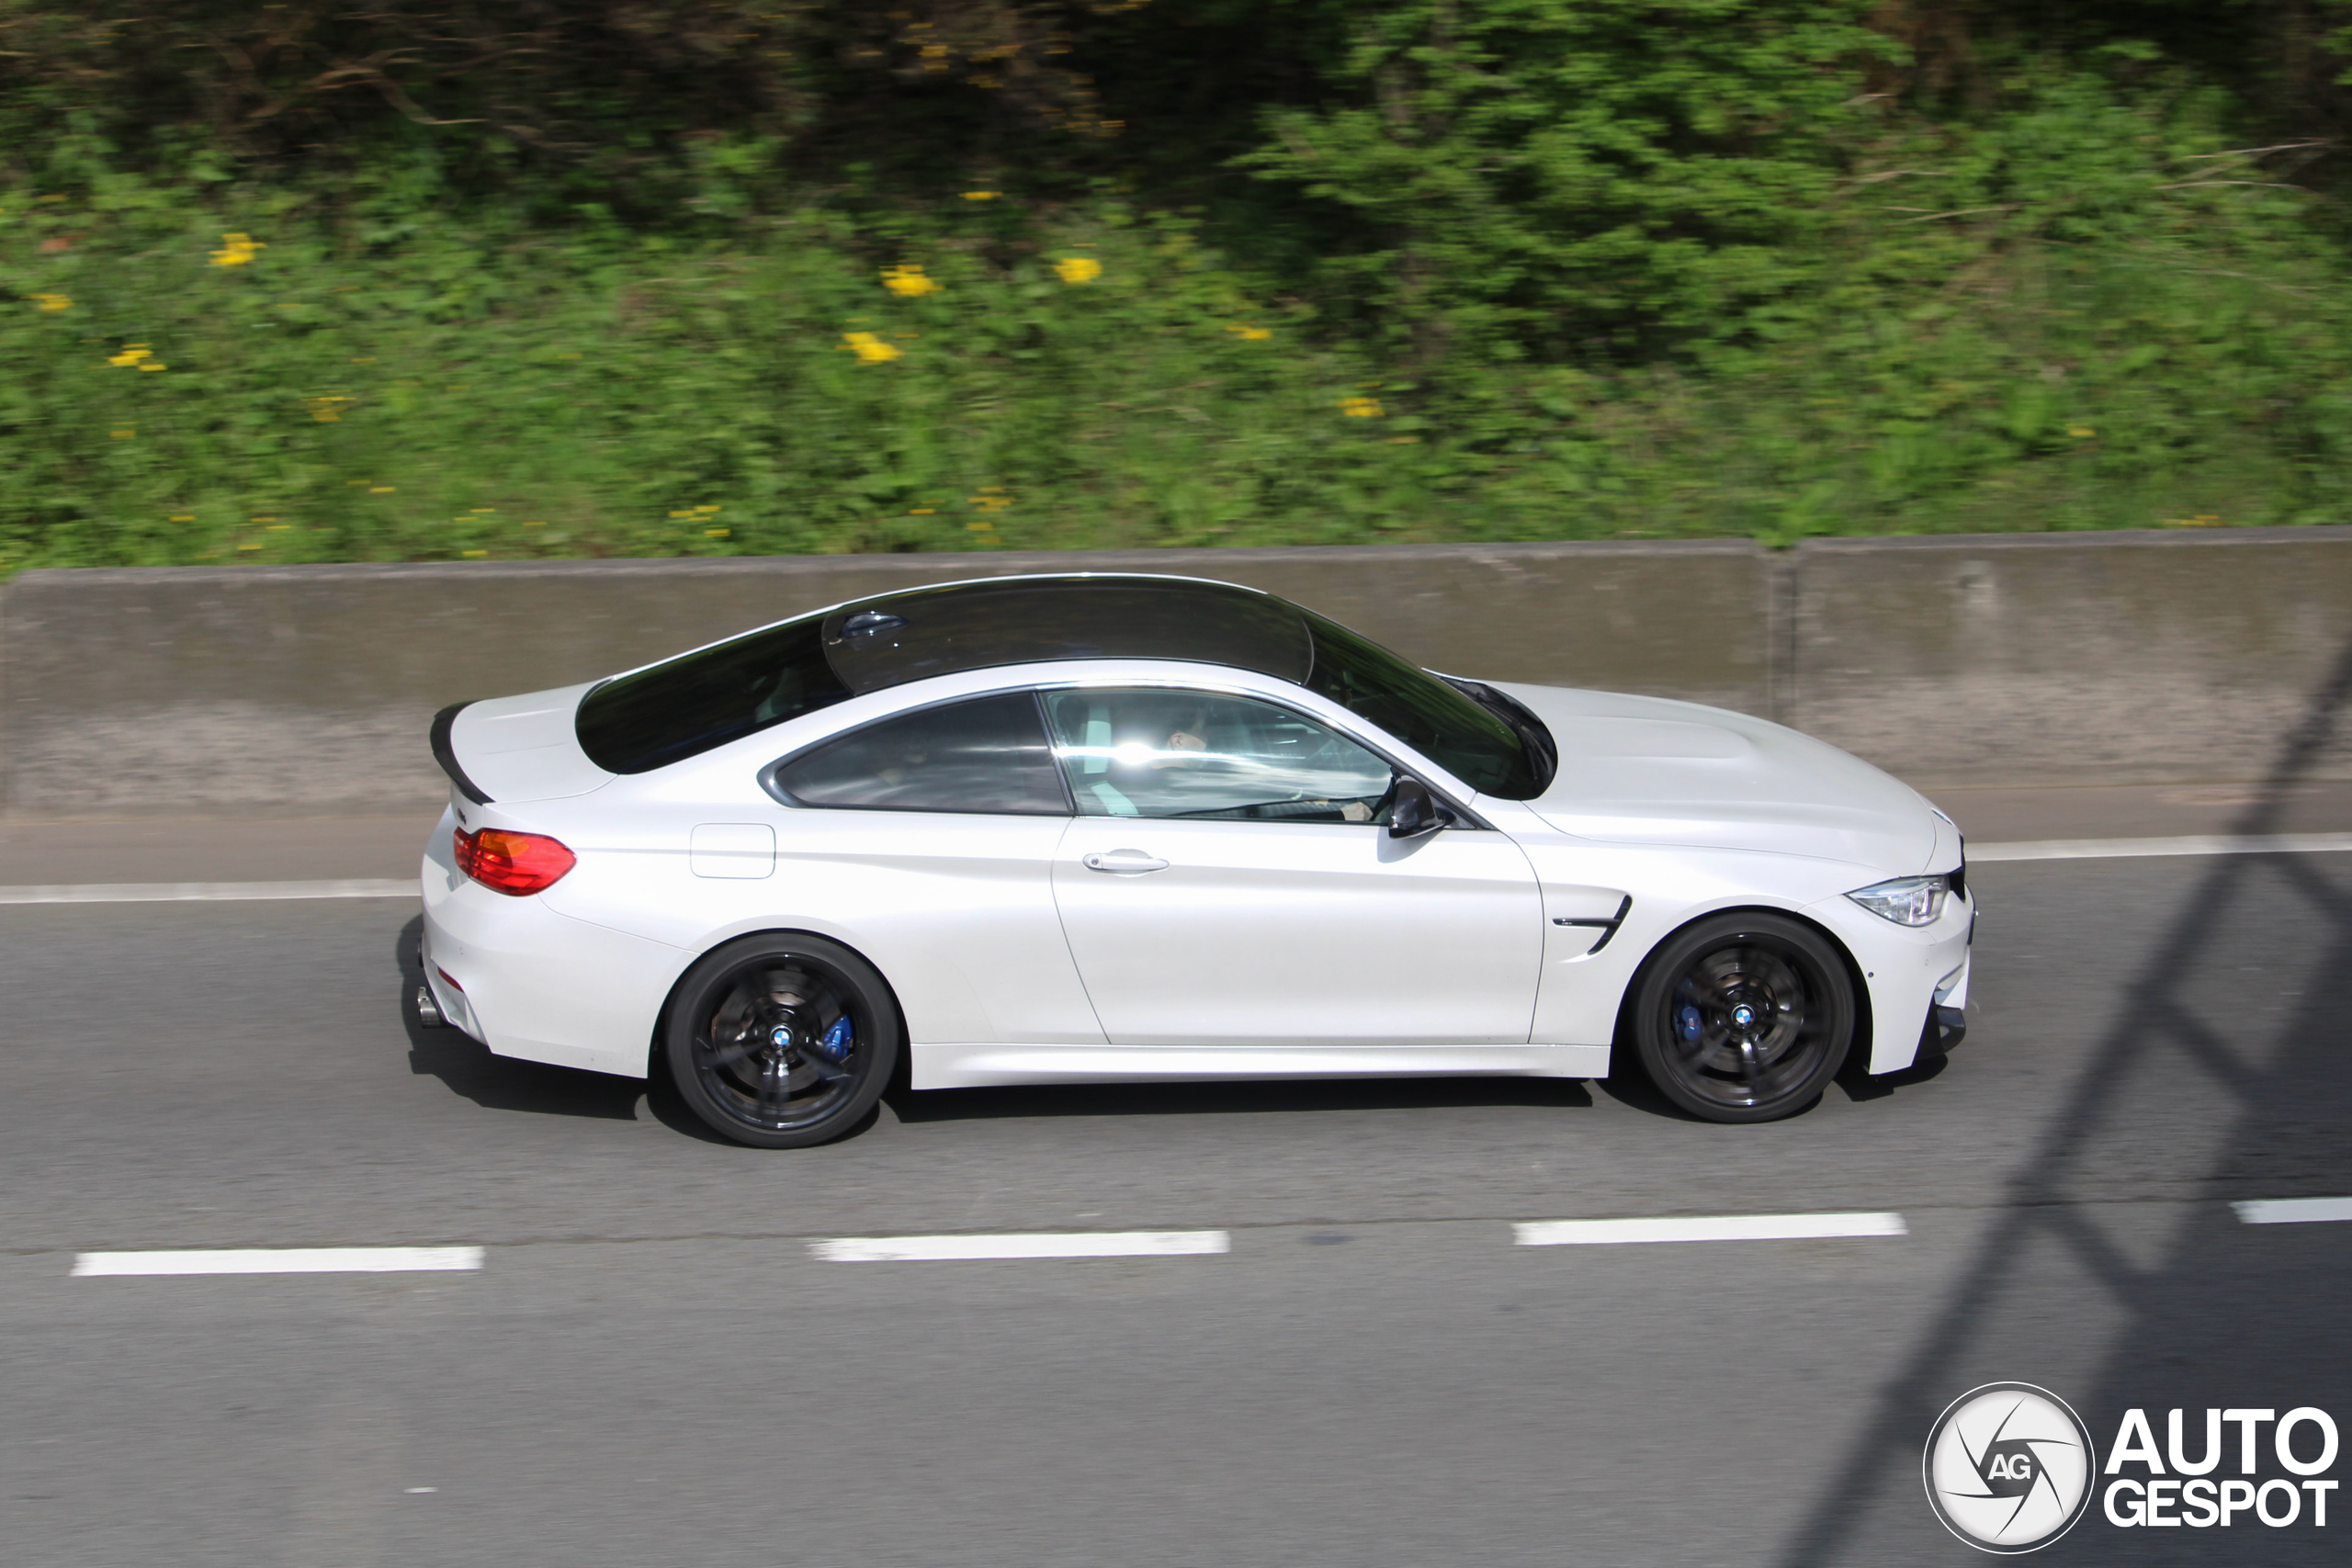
1909 972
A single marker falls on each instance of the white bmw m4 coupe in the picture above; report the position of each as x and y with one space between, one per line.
1111 827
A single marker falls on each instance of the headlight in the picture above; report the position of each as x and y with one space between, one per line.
1906 900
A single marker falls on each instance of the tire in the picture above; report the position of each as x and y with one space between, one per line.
781 1042
1720 1063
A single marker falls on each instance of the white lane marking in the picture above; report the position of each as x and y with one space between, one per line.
2196 844
1710 1227
204 892
1055 1244
283 1260
2293 1210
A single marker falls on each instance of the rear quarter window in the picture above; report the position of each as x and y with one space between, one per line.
988 755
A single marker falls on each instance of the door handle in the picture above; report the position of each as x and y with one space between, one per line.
1122 863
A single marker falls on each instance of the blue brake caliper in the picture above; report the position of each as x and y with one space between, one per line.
1688 1019
837 1041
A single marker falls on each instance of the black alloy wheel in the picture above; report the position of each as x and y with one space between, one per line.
781 1042
1743 1017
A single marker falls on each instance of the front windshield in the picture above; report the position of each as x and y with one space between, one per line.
1441 723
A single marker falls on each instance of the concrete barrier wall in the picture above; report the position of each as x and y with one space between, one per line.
2113 658
2060 659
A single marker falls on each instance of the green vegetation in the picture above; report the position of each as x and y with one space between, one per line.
305 282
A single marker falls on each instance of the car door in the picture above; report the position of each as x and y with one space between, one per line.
1229 881
931 835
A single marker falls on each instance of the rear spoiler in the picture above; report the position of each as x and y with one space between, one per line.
445 755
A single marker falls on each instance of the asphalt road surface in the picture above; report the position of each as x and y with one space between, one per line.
652 1368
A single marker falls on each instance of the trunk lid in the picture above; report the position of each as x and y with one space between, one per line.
516 749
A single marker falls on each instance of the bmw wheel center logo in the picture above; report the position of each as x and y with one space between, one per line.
2009 1467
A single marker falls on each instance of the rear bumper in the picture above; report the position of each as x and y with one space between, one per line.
535 984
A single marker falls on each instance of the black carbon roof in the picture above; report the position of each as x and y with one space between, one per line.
683 707
897 637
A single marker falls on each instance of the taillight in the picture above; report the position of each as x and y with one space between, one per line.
513 864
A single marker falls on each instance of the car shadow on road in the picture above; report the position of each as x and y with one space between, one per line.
1257 1098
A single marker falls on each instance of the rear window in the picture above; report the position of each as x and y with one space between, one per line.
644 721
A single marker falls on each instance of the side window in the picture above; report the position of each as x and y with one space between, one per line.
988 755
1176 753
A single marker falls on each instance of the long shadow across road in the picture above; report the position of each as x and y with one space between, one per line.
2181 1304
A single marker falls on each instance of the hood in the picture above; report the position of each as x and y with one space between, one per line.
514 749
1647 770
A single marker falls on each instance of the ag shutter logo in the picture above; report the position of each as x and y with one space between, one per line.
2009 1467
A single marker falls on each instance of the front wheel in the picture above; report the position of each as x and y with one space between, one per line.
1743 1017
781 1042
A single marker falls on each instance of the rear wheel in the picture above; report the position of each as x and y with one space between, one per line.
1743 1017
781 1042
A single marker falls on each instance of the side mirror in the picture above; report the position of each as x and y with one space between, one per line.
1411 812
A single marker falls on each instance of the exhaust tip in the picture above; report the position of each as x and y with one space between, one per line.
428 1010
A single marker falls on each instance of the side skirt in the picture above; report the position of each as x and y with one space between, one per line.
979 1067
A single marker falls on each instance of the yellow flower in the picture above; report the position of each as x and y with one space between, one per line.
869 349
125 434
1251 334
236 250
131 354
326 409
474 555
1078 269
1360 408
909 281
155 365
982 195
52 301
2080 432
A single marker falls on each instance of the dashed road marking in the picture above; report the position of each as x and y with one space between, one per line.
1104 1244
2293 1210
282 1260
1055 1244
1707 1227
